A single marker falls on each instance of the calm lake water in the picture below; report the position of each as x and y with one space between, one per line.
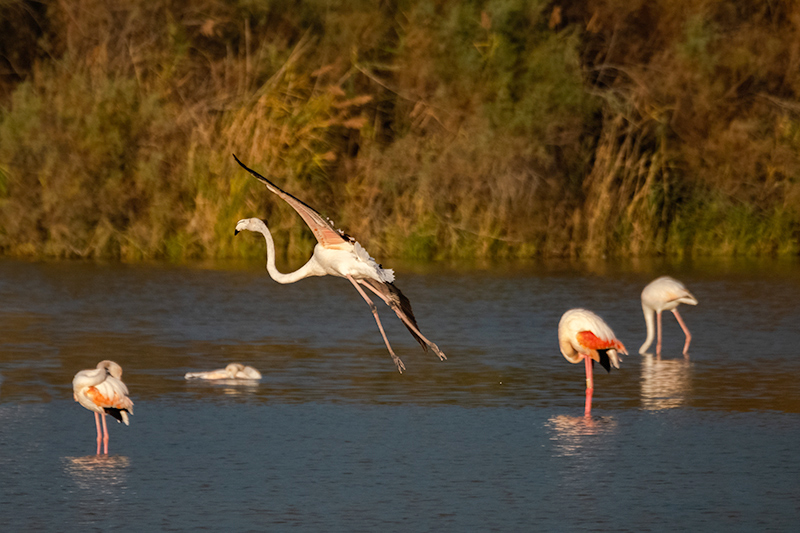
334 439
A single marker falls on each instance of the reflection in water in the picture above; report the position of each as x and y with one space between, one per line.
665 383
572 434
102 476
230 387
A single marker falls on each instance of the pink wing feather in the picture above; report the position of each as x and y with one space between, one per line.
323 230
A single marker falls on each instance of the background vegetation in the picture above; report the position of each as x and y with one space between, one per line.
427 129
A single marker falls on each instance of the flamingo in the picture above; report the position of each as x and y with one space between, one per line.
338 254
101 390
584 335
232 371
664 294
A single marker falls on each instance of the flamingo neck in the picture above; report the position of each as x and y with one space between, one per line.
649 320
303 272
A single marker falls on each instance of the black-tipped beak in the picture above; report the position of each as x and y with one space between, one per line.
236 232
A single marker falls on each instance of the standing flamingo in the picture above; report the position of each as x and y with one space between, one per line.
584 335
101 390
338 254
664 294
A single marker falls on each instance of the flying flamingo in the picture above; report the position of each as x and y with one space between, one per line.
232 371
101 390
338 254
664 294
584 335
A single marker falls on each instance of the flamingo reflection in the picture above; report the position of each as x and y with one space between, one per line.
665 383
572 434
101 478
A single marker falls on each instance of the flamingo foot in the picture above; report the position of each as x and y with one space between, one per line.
437 351
397 362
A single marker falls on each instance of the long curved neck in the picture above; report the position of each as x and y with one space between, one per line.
302 272
649 316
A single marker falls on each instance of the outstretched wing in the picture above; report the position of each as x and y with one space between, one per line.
323 230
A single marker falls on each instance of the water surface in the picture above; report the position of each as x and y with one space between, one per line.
334 439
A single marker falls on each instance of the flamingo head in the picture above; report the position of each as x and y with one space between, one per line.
111 368
232 369
250 224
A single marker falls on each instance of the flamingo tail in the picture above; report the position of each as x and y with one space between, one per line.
399 304
120 414
605 361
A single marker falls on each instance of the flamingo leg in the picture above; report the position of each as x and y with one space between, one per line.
405 320
105 436
398 363
658 342
99 431
685 330
589 385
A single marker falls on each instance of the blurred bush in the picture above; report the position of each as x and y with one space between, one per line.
496 129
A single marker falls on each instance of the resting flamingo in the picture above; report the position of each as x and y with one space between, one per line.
664 294
584 335
232 371
338 254
101 390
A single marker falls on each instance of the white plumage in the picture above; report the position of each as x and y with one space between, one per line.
575 345
338 254
582 335
664 294
232 371
102 391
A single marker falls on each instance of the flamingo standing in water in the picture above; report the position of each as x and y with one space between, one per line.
584 335
664 294
101 390
338 254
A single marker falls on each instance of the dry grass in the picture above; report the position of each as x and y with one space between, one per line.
429 130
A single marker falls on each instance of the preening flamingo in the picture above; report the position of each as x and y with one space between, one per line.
664 294
338 254
582 335
232 371
101 390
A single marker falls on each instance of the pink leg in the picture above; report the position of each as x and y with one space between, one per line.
658 342
398 363
105 436
588 409
99 431
589 386
685 330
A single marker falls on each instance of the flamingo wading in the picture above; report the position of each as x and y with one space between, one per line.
338 254
664 294
102 391
582 335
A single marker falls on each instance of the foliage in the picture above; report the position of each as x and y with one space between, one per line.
428 129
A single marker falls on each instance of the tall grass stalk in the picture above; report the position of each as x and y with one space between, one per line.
503 129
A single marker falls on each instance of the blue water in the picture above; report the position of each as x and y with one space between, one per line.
334 439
